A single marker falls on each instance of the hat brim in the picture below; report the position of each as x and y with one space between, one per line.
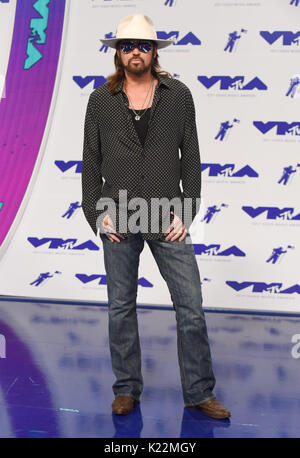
112 42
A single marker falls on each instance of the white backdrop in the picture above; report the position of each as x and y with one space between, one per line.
246 235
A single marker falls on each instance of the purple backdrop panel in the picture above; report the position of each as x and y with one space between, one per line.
29 87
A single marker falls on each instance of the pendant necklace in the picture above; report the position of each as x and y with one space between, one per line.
138 116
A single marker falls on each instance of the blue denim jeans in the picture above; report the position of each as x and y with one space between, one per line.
178 266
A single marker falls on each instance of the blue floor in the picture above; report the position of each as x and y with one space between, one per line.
56 377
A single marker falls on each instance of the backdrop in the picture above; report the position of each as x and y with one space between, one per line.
241 61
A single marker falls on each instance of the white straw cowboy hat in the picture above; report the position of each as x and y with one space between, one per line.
136 27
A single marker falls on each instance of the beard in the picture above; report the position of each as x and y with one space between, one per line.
137 68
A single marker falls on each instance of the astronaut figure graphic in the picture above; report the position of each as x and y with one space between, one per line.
223 130
42 277
211 211
169 2
104 48
73 206
232 40
277 252
294 86
287 172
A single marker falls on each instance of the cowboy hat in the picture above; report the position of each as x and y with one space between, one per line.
136 27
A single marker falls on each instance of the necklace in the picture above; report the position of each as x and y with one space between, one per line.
138 116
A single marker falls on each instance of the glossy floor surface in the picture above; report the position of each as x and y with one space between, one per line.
56 377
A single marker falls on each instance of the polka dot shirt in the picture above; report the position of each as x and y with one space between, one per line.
114 160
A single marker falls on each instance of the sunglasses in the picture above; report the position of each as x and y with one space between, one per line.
128 46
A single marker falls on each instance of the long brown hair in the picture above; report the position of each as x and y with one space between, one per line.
115 79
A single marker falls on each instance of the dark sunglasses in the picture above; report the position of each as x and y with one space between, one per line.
128 46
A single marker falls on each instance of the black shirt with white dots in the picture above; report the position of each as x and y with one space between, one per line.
112 150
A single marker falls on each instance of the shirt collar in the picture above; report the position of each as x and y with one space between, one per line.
162 80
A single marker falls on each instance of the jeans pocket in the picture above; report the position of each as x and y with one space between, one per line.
103 235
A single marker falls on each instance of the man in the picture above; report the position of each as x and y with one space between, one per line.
135 126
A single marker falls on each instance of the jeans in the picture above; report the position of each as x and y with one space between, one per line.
178 266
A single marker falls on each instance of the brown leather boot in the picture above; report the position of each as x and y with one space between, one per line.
213 408
123 405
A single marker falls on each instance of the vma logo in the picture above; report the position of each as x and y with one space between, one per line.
236 83
37 35
214 250
83 81
101 280
273 213
286 38
64 166
261 287
188 39
278 127
67 244
228 170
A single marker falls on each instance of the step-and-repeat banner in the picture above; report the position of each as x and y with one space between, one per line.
241 61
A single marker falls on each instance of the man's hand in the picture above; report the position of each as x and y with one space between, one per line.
175 229
107 226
